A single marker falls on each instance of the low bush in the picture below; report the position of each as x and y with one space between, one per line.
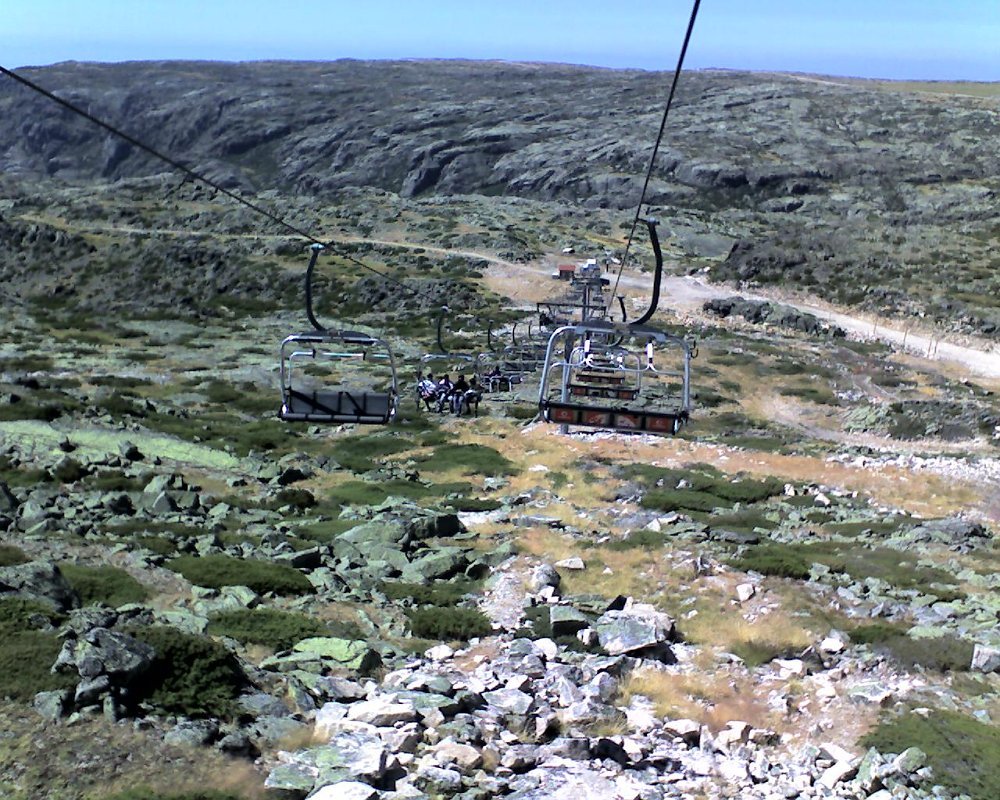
643 538
115 480
963 752
947 653
364 493
68 471
190 675
326 531
297 499
440 593
26 659
472 459
216 571
145 793
875 632
270 627
682 500
27 653
778 560
448 624
108 585
11 555
361 453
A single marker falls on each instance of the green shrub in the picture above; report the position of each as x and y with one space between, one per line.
121 405
643 538
448 624
756 652
541 628
270 627
115 480
108 585
779 560
43 412
190 675
216 571
11 555
682 500
68 471
474 459
875 632
364 493
145 793
947 653
441 593
743 521
26 659
963 752
26 653
361 453
324 532
298 499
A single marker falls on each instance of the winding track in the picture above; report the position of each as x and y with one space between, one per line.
683 293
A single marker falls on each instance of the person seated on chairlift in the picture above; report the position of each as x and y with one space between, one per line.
471 396
458 394
444 390
427 389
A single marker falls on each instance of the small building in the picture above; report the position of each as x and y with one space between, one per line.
566 272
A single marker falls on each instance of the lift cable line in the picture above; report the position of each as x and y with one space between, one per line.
659 138
196 176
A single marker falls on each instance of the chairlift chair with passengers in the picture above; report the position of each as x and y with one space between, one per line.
318 383
602 374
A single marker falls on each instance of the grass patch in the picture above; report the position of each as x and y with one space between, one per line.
105 585
271 627
227 432
217 570
963 752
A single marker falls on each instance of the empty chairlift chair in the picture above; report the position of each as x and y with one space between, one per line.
313 388
336 376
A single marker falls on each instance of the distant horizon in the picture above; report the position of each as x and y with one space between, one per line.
895 40
789 72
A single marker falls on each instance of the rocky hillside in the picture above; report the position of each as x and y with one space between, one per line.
859 192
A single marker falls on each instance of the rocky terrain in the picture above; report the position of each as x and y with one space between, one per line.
860 192
797 597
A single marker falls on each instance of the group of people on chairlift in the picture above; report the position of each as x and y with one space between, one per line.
457 397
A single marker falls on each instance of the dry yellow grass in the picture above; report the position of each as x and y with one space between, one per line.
727 628
649 576
712 699
924 494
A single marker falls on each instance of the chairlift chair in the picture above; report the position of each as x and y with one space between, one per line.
313 389
619 387
602 374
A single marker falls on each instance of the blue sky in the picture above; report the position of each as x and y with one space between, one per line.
922 39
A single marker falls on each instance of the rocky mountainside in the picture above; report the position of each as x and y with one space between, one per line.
860 192
761 142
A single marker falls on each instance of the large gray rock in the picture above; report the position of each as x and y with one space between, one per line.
985 659
100 651
640 631
39 580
